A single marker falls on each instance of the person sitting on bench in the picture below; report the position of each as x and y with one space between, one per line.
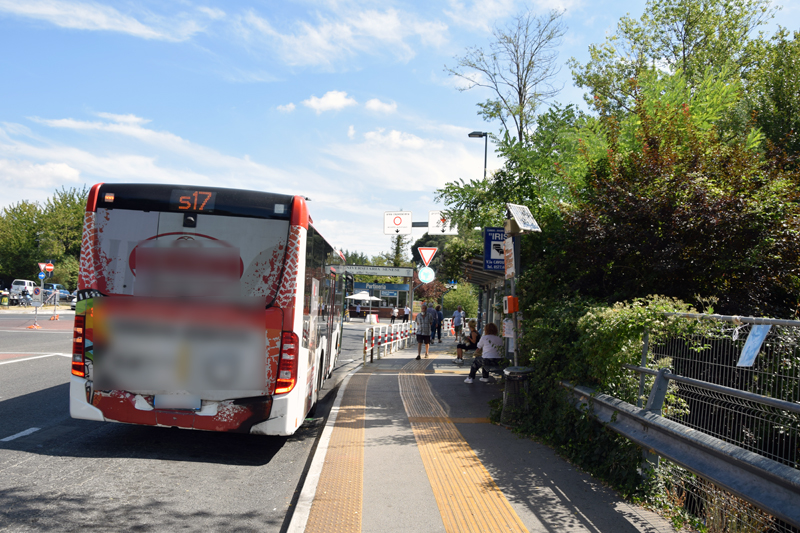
471 342
490 347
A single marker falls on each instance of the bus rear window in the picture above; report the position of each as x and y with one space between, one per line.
155 254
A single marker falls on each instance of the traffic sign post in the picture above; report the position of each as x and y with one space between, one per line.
397 223
41 276
427 254
439 224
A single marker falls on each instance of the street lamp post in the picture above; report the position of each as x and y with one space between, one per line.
485 135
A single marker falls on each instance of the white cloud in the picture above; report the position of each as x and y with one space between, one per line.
396 161
381 107
45 176
351 132
397 139
479 14
330 101
97 17
343 33
124 119
211 12
287 108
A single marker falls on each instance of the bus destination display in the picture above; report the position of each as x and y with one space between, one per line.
192 200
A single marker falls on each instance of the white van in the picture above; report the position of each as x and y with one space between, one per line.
18 284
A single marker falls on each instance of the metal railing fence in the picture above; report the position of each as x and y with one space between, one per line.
743 475
756 407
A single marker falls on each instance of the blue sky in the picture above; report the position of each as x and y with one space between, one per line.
343 101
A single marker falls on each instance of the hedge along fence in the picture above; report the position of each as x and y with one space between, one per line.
586 343
579 341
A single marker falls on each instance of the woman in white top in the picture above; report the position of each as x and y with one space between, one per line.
394 313
490 347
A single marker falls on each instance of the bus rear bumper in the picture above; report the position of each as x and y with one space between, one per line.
279 422
78 406
238 415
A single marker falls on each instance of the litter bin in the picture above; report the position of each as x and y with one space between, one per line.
514 395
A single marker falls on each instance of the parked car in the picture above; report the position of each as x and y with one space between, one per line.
19 284
18 288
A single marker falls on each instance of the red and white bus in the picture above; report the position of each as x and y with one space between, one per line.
203 308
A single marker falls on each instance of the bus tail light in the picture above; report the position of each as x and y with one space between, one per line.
287 367
78 332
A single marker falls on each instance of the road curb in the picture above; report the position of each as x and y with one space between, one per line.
303 507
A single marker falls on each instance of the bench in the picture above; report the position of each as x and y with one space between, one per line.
496 369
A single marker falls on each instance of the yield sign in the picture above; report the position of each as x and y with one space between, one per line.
427 254
41 266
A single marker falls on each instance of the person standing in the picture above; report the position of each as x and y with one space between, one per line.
458 323
423 330
434 318
407 314
490 347
394 313
358 310
439 322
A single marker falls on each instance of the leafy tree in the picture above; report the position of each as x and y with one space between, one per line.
428 292
775 96
19 240
465 296
62 223
687 214
690 35
397 256
536 174
355 257
519 68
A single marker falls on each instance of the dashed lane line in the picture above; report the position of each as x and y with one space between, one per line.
36 357
20 434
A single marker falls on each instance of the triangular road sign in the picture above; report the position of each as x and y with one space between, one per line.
427 254
41 266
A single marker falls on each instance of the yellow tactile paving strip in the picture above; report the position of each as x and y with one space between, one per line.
467 496
337 503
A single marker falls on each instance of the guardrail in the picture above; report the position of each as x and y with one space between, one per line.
736 426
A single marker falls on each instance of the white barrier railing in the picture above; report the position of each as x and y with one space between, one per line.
380 341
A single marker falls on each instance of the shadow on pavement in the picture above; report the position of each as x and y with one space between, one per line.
26 510
61 435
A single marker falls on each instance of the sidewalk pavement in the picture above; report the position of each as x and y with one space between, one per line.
409 447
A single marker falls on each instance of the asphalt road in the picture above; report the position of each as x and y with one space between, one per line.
71 475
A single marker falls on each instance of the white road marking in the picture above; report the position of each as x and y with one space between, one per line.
69 332
20 434
31 358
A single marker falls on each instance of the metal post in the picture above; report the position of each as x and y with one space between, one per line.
515 241
645 349
485 152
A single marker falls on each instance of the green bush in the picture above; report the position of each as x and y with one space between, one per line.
586 343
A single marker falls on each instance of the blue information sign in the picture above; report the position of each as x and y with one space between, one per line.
493 249
41 275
